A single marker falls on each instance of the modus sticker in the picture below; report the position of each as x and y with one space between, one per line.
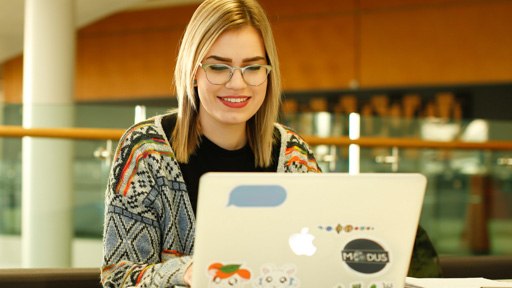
365 256
228 276
277 277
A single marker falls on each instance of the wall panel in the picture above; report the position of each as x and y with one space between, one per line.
322 45
126 66
440 45
12 80
142 20
391 4
283 9
316 53
130 55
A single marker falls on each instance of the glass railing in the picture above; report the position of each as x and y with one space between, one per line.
468 203
91 165
467 207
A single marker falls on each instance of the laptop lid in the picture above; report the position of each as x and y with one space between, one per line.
306 230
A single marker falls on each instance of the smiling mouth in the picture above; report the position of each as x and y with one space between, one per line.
235 100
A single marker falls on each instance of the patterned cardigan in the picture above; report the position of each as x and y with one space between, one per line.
149 223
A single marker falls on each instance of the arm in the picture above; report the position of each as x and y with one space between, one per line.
146 237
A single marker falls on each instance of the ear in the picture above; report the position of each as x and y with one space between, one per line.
267 268
289 269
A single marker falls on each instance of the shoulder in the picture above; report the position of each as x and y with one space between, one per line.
295 154
147 130
144 136
289 135
143 142
147 136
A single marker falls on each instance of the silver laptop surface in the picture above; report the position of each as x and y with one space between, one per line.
328 230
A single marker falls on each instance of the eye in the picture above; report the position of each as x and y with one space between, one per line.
253 68
268 279
217 280
232 281
283 279
218 68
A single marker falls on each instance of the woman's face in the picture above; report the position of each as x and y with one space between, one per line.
235 102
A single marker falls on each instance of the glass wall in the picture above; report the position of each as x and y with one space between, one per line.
467 208
468 203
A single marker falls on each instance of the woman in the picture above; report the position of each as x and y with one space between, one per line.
228 87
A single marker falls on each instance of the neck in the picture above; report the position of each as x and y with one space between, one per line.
226 136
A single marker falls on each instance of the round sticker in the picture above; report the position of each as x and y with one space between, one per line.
365 256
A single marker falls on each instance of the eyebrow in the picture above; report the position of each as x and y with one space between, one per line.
223 59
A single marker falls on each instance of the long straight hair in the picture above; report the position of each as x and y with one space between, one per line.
210 20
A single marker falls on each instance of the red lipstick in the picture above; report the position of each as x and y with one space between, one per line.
234 101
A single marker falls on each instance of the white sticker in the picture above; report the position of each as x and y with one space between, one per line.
277 277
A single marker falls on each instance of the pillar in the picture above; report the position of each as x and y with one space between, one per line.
48 87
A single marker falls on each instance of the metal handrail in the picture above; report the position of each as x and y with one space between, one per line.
67 133
408 143
116 134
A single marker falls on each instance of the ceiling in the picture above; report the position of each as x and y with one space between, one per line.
87 11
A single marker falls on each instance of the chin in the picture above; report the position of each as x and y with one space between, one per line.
235 119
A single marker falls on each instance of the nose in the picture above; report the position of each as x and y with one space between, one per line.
237 80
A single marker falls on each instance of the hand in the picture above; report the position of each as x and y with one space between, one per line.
188 275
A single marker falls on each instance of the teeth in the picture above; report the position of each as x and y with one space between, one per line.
235 100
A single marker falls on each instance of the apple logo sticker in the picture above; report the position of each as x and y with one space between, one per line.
302 243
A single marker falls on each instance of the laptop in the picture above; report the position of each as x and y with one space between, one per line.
330 230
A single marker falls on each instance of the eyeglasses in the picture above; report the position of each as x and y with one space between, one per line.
220 74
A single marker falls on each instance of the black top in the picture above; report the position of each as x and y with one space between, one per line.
209 157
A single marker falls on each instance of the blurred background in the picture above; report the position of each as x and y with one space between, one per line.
434 71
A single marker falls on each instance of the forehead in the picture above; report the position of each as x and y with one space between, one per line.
238 44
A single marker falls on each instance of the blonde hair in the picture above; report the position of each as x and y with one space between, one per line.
210 20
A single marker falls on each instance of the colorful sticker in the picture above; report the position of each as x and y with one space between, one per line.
358 284
347 228
227 276
277 277
374 284
381 284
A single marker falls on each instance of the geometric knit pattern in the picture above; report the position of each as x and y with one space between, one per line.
297 157
149 223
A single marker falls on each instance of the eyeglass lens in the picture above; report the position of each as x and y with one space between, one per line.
253 75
